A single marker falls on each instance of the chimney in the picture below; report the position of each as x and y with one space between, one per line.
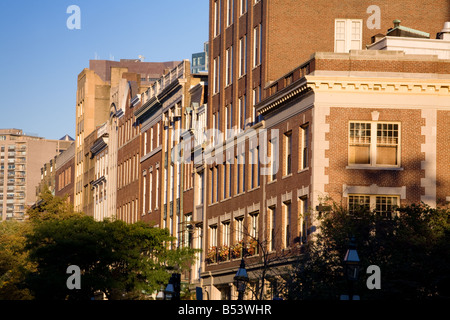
396 23
445 33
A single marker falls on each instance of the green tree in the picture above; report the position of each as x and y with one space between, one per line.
13 261
123 261
412 250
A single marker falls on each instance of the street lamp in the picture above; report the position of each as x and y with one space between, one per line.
169 291
241 279
351 262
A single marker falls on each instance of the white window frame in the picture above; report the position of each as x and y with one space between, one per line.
373 200
243 56
243 7
216 21
373 145
257 41
347 35
230 12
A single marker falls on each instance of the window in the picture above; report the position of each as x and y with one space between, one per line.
229 66
157 188
383 205
213 235
287 223
288 153
145 194
242 55
242 112
256 100
243 7
365 150
358 202
255 168
239 228
239 174
200 188
230 10
229 120
348 35
226 233
274 157
216 72
254 225
303 209
212 185
304 136
150 192
257 52
272 227
216 18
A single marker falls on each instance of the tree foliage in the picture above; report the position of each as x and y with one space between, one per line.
123 261
412 250
13 261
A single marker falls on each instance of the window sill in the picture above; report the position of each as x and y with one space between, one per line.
252 189
239 194
273 181
374 168
303 170
286 176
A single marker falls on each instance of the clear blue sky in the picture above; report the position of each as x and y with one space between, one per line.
40 57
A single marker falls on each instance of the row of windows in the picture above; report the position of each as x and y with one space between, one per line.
65 178
383 205
153 139
234 176
229 16
150 198
279 228
128 212
128 171
242 59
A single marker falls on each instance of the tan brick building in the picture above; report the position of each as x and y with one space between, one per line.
168 113
95 92
21 158
285 69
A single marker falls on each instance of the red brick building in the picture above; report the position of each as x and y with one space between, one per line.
285 69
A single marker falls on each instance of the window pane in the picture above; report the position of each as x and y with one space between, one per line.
358 202
359 143
387 143
385 205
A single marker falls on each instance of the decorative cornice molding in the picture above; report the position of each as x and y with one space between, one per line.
298 88
424 86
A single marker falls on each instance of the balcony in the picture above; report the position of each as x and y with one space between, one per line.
225 253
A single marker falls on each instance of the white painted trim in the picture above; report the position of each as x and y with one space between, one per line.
429 165
374 190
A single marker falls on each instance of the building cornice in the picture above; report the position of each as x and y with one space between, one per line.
296 89
378 84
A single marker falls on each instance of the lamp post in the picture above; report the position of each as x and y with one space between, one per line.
351 269
168 292
241 279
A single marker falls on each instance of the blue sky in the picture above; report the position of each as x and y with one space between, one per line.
40 58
